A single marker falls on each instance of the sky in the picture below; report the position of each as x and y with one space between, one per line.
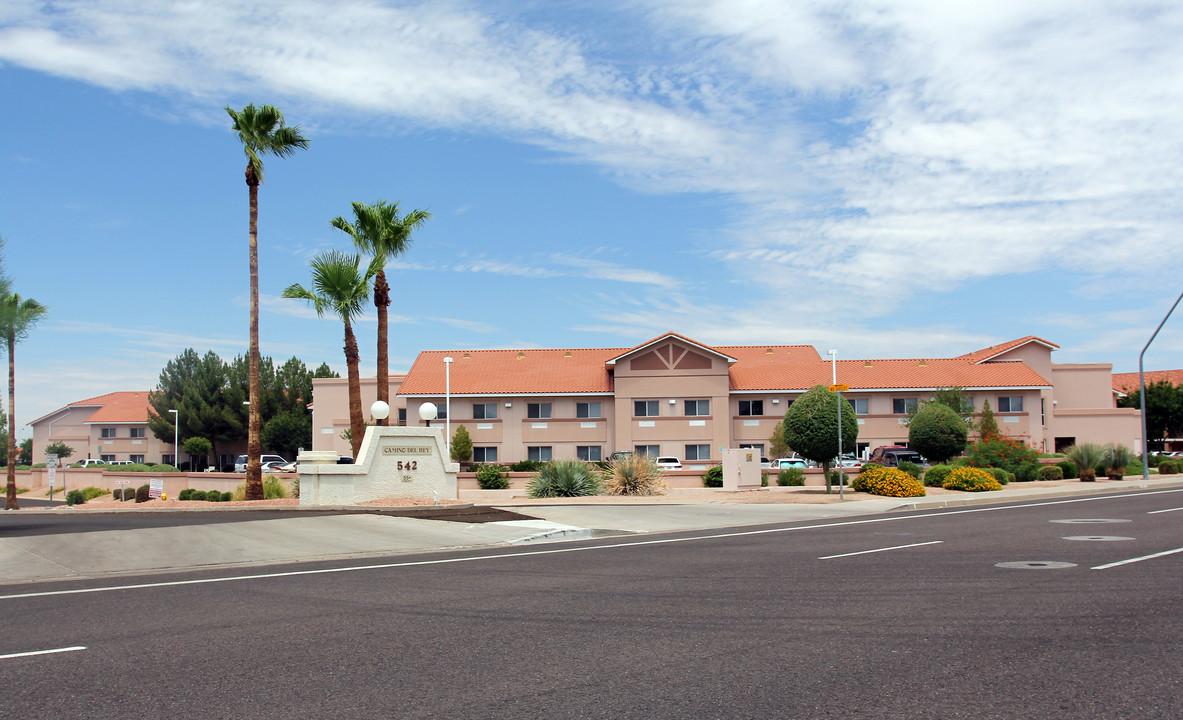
901 178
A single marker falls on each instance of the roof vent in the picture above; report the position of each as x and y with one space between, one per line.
521 356
768 351
867 363
923 363
567 354
467 355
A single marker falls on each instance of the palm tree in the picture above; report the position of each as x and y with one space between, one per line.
339 287
262 132
17 318
379 232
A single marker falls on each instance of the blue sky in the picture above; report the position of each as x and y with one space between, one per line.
892 179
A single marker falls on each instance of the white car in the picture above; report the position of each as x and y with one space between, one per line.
786 463
240 462
89 463
669 462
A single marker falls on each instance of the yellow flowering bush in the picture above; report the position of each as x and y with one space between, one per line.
971 479
889 482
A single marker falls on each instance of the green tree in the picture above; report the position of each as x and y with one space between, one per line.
777 447
262 131
209 404
1164 410
987 425
26 453
937 432
287 432
60 449
461 445
379 232
811 427
196 447
324 371
339 287
954 398
17 319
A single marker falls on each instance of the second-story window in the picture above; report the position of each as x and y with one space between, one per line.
538 411
1010 403
698 407
137 432
751 407
588 410
107 432
645 408
903 406
484 411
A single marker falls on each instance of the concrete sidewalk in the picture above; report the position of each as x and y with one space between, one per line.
357 532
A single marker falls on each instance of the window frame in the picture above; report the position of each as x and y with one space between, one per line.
655 405
483 451
539 411
587 407
696 406
694 451
752 405
866 402
911 405
483 414
138 433
1010 402
644 450
534 453
585 453
108 433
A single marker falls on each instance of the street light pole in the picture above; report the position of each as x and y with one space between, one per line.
176 438
448 405
1142 389
834 381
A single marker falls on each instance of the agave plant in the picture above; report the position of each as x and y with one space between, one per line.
634 475
1086 457
1117 457
563 478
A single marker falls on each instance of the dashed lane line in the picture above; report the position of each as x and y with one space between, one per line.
42 652
1138 559
879 550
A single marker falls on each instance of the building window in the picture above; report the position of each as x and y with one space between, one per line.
484 411
137 432
441 411
698 407
139 459
588 410
698 452
1010 403
861 405
751 407
650 450
538 454
645 408
484 454
903 406
168 460
402 416
107 458
589 453
107 433
538 411
749 446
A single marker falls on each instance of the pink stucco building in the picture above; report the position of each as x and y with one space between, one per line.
106 427
675 396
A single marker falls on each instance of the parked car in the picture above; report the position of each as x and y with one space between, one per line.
240 463
275 465
89 462
293 466
619 455
790 462
893 455
121 462
669 462
848 461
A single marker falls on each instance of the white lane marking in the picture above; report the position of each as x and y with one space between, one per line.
1155 512
42 652
878 550
1138 559
557 551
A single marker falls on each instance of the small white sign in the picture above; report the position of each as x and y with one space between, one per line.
155 488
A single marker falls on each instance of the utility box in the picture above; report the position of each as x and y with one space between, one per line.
741 469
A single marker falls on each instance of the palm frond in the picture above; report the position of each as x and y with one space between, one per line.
262 132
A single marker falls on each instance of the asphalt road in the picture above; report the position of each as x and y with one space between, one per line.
900 616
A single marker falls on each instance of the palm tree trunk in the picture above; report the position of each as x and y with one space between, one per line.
254 447
382 302
356 424
10 502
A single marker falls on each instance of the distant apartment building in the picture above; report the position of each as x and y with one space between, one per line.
675 396
107 427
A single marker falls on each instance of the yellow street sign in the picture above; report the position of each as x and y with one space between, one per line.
839 388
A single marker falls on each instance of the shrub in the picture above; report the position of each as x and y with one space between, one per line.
935 475
295 489
75 497
197 495
840 477
889 482
634 475
563 478
142 494
1086 456
1168 467
1117 457
713 478
491 476
273 489
161 468
912 468
792 477
185 494
1051 472
971 479
1000 475
93 492
936 431
1000 452
213 496
1028 472
1068 468
526 466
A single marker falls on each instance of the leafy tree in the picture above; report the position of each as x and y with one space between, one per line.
461 445
196 447
777 447
988 426
1164 410
954 398
17 318
937 432
379 232
324 371
811 427
287 432
209 405
26 453
263 132
60 449
340 287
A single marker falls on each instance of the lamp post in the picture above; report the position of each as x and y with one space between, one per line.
176 437
448 404
427 412
1142 389
833 353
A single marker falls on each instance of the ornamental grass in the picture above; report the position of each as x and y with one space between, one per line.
634 475
563 478
888 482
971 479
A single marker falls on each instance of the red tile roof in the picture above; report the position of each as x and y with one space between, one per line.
1128 382
510 372
980 356
116 407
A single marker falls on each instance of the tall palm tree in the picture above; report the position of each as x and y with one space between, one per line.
339 287
262 132
378 231
17 318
